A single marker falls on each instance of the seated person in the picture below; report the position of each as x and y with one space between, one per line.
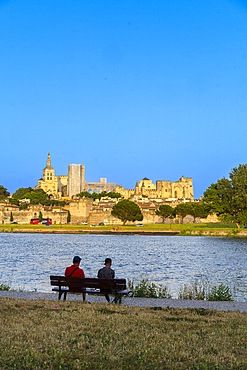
106 273
75 271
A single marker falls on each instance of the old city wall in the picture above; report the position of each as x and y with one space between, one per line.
79 210
57 214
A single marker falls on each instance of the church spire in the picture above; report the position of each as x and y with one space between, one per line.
48 162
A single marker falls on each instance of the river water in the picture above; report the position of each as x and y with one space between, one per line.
27 260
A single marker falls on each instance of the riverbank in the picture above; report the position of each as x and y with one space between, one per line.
152 229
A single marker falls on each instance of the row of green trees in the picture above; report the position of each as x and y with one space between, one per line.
182 210
36 196
109 194
127 210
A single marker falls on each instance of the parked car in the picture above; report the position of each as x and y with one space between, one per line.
139 224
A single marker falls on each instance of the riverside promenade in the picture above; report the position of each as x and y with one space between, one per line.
135 301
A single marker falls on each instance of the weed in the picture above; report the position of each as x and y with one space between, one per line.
196 290
220 293
4 287
148 289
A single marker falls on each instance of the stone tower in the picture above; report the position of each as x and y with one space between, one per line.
49 182
76 179
48 171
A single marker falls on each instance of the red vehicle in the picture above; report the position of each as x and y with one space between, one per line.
45 221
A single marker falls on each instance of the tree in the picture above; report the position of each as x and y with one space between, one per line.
127 210
110 194
238 178
198 210
20 193
3 192
228 197
218 197
68 217
36 196
11 217
165 211
183 210
40 216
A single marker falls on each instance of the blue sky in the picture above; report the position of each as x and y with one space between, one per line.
130 89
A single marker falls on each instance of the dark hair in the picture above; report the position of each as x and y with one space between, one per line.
76 259
107 260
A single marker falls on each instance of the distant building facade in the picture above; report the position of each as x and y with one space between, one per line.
74 183
162 189
50 183
64 186
76 179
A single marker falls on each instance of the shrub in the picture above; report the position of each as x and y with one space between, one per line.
148 289
4 287
220 293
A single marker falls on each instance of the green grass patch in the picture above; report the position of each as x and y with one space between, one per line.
70 335
208 229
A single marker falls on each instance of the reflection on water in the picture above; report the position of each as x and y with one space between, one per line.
27 260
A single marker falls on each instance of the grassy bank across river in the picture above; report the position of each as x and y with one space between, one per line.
42 334
148 229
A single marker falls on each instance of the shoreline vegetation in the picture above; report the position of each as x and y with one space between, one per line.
212 229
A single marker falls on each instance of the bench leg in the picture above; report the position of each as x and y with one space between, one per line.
117 299
60 295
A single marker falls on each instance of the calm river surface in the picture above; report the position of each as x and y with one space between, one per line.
27 260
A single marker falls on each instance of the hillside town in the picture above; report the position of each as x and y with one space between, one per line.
148 195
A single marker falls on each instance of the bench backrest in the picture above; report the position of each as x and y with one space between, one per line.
93 283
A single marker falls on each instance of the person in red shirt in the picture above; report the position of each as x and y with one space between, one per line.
75 271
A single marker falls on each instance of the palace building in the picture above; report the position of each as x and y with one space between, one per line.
162 189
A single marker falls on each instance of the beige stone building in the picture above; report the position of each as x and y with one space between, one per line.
162 189
76 179
67 186
54 186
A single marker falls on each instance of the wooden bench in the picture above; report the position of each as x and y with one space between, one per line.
115 287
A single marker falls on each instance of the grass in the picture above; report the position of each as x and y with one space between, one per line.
44 335
211 229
